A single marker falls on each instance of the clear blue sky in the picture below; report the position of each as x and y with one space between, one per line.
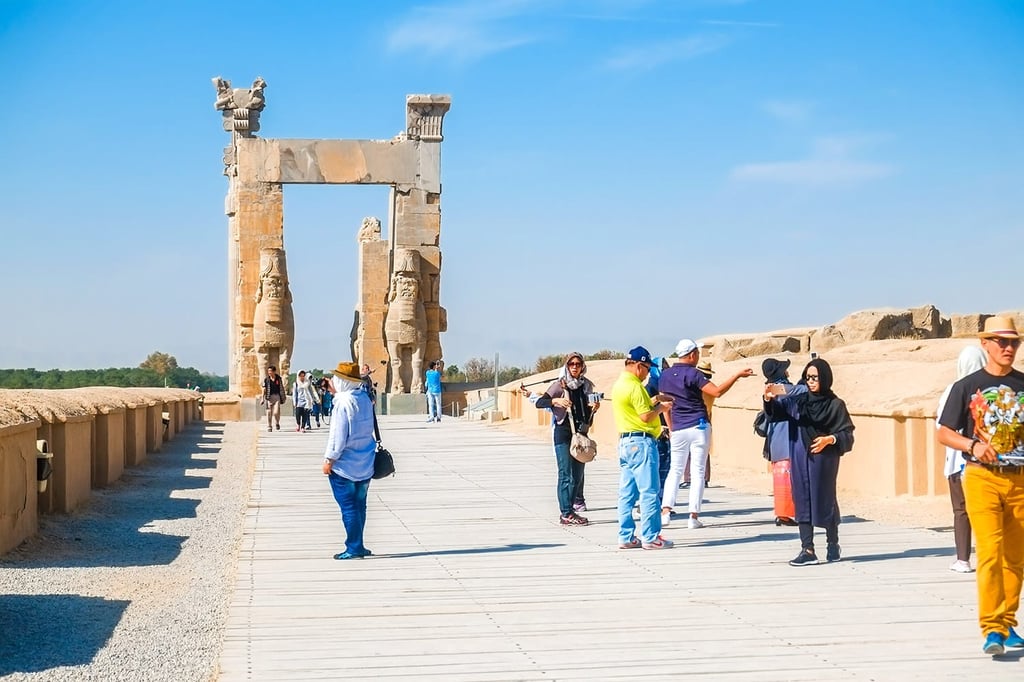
614 173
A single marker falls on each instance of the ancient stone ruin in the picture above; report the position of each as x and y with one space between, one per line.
399 318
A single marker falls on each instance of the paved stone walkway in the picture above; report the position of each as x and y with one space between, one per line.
474 579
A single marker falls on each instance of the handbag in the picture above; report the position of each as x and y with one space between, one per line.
383 462
582 447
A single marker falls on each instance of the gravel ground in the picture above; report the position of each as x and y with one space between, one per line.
136 585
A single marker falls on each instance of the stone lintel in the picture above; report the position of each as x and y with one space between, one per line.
336 162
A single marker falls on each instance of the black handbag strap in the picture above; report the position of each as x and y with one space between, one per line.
376 429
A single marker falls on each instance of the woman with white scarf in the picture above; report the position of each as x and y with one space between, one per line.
304 396
348 458
567 398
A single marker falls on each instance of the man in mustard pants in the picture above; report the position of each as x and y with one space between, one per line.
984 418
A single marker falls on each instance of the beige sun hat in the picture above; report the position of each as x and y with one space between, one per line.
348 370
1001 326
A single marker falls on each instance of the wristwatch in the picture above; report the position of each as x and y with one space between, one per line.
970 448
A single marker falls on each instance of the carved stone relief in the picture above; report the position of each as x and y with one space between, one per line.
274 321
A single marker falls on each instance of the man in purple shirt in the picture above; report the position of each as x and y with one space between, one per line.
690 425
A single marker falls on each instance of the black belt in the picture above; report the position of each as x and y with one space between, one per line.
630 434
999 468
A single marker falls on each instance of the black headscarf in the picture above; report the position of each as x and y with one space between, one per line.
822 413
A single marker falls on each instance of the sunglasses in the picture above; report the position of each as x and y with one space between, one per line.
1006 343
812 377
575 364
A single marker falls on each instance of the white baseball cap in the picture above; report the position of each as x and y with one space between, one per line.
685 347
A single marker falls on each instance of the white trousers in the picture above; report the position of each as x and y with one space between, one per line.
688 445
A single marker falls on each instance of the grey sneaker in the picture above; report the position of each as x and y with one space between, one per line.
806 557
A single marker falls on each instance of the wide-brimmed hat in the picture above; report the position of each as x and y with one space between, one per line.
704 367
1001 326
348 370
773 369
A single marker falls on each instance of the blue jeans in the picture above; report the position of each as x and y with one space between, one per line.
570 478
638 462
351 499
434 406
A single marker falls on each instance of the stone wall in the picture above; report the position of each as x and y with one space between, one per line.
93 434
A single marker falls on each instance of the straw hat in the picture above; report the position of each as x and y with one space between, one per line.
1001 326
704 367
348 370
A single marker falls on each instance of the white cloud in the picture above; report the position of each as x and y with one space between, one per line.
788 111
653 55
829 164
465 31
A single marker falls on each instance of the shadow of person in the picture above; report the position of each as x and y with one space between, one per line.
472 550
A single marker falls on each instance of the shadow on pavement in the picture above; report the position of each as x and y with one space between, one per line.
474 550
43 631
921 552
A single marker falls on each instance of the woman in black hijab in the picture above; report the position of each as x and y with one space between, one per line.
826 433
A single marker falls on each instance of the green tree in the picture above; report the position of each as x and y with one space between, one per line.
606 355
546 363
161 363
479 369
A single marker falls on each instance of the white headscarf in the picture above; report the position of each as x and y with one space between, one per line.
970 361
567 379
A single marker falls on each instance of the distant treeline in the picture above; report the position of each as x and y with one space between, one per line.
178 377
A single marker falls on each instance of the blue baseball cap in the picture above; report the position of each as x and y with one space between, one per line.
640 354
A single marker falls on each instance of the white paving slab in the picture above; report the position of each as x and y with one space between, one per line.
474 579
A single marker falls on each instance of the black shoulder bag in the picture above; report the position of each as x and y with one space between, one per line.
383 462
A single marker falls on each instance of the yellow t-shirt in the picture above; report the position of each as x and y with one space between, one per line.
629 401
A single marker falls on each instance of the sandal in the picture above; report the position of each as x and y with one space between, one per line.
573 519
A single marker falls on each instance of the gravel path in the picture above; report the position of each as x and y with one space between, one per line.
136 585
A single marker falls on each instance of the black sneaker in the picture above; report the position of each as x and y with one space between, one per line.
806 557
833 553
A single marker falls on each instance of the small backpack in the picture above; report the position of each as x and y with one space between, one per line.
761 424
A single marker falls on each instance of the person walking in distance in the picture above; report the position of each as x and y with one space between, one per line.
433 384
273 395
303 398
971 359
567 398
348 457
983 418
690 426
637 419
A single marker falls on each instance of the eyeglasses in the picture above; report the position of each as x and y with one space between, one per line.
574 364
1006 343
812 377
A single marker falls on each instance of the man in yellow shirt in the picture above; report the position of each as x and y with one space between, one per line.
637 421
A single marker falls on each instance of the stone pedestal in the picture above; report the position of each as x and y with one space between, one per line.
406 403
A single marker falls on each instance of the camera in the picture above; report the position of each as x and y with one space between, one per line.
594 398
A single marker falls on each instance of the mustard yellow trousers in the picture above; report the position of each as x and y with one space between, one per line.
995 505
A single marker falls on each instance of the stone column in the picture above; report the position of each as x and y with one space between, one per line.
416 212
371 307
255 213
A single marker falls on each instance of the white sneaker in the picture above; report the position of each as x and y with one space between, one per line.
666 519
694 523
961 567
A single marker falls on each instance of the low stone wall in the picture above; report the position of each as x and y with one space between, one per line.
93 434
894 454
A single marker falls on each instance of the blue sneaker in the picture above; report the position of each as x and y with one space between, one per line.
1013 639
349 555
994 644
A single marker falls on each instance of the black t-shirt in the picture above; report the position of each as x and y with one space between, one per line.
996 402
273 386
